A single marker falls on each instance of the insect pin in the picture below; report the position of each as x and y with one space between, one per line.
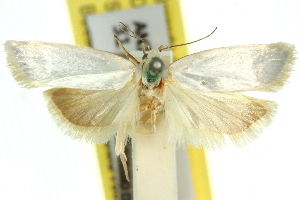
98 95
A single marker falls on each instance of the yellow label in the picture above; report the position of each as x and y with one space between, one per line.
78 9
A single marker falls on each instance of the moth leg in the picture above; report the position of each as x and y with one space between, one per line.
123 160
144 108
120 150
147 107
153 114
131 58
153 118
155 107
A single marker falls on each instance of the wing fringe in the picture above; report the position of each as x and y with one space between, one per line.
252 133
283 77
15 67
87 133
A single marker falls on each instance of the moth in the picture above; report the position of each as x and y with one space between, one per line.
98 95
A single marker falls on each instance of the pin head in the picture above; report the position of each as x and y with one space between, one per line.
156 66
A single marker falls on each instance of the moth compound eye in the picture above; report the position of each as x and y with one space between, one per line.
156 66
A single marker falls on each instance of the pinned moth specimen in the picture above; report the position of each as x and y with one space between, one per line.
98 95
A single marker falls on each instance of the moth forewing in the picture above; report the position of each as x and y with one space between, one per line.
263 67
37 64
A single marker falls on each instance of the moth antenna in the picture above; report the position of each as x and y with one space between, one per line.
126 52
143 49
134 35
164 47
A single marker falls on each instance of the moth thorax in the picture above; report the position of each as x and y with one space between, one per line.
156 66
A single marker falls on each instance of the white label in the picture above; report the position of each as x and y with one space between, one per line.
148 22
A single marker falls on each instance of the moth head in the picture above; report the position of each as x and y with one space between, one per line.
153 69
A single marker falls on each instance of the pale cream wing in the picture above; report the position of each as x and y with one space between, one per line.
238 68
36 64
95 115
201 119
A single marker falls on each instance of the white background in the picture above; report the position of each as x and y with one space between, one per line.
38 162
